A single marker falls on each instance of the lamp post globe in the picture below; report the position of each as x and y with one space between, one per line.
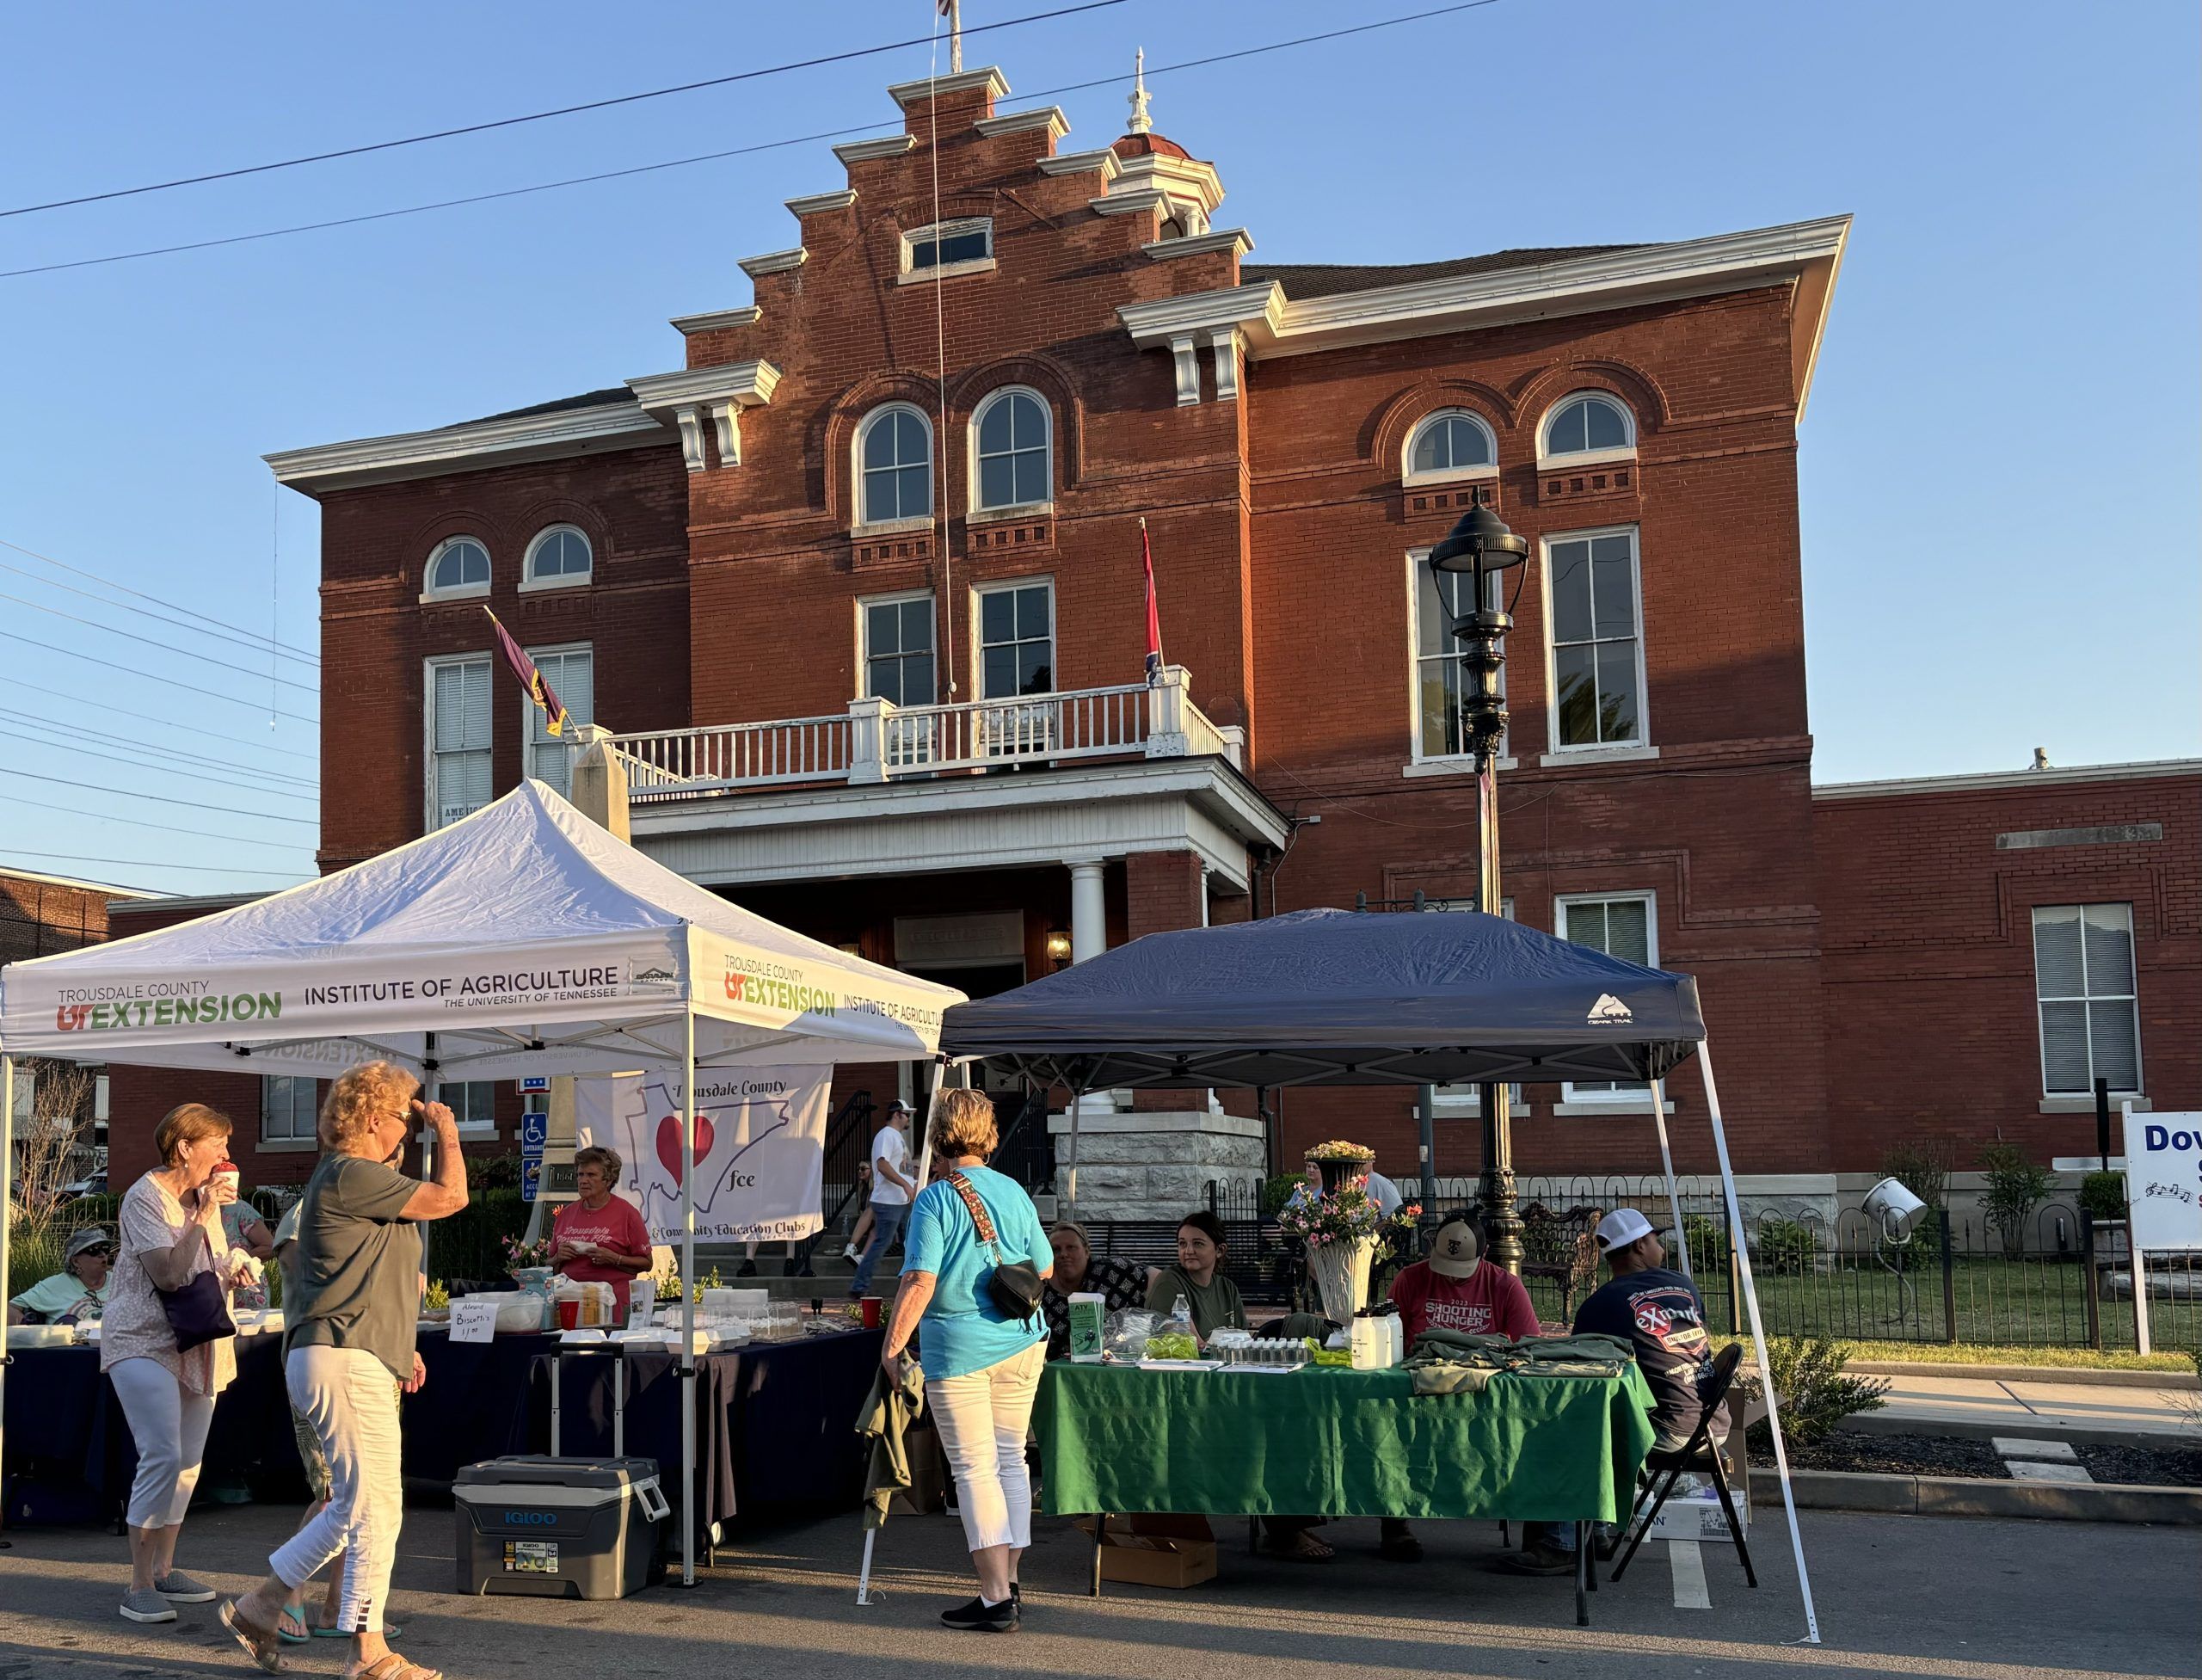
1478 549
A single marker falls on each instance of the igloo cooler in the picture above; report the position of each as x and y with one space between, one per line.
560 1528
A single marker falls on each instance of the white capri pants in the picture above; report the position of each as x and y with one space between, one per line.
983 1418
351 1399
169 1426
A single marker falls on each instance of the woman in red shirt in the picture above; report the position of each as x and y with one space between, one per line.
600 1239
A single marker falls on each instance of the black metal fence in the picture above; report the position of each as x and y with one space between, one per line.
2053 1279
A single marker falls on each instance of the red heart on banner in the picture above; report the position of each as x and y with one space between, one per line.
668 1141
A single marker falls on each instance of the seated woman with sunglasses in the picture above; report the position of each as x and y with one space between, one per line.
75 1295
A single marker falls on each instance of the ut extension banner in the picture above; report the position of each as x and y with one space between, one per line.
2163 1179
761 1148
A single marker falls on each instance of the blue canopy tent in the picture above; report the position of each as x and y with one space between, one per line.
1335 997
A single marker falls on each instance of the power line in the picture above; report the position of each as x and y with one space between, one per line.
179 770
148 862
543 116
156 798
132 670
165 646
197 764
125 712
262 646
14 799
703 157
157 600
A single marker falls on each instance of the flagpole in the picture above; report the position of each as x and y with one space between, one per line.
1154 661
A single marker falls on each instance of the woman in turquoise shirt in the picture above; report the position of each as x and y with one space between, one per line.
981 1365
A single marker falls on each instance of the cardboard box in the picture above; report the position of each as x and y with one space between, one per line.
1696 1514
1149 1560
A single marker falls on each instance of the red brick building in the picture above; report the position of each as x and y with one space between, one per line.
857 589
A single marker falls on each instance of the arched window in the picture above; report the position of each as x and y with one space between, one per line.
1590 423
459 566
1012 439
894 465
1452 443
559 558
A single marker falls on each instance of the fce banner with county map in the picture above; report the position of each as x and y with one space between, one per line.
761 1148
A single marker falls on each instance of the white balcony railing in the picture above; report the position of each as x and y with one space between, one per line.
876 741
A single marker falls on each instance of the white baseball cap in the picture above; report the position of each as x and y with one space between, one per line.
1621 1228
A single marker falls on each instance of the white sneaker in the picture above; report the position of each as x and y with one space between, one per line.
849 1251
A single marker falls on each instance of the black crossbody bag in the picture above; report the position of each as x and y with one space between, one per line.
1014 1285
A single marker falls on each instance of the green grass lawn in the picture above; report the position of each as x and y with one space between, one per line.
2030 1311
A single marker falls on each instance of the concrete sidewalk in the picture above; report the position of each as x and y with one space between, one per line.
1988 1406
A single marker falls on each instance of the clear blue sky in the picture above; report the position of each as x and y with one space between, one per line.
1999 463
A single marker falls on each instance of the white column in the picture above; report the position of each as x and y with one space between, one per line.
1089 912
1089 937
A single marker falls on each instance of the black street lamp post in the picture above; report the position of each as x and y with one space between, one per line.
1477 550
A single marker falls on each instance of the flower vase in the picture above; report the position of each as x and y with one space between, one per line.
1341 1272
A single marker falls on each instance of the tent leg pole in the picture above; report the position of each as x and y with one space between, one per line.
688 1304
931 1107
1069 1199
1667 1164
864 1571
432 1088
1426 1140
7 1205
1758 1337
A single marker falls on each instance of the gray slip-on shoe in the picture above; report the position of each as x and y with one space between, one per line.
146 1607
179 1588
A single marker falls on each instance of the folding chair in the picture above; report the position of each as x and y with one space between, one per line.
1696 1454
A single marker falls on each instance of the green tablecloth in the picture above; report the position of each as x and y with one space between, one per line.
1324 1442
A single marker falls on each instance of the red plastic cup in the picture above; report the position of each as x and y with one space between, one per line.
569 1315
869 1306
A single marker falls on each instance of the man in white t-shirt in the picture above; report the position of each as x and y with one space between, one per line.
892 1187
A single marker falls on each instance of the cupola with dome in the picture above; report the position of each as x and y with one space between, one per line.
1185 189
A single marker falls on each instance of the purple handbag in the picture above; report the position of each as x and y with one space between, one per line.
198 1312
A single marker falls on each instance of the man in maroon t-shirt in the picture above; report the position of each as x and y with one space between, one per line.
1454 1290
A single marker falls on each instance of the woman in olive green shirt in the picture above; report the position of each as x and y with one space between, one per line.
1197 1278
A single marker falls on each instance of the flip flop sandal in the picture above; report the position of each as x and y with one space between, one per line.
265 1649
290 1620
395 1667
1306 1548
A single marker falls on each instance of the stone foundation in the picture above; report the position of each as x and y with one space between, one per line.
1157 1165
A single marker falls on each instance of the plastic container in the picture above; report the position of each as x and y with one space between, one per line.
1369 1344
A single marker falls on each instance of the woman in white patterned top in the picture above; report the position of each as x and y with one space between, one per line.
170 1224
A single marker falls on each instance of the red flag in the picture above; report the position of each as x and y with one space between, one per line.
554 713
1153 608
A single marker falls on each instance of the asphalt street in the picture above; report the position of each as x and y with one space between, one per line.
1943 1597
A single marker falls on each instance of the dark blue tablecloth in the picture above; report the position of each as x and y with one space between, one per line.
775 1423
70 1457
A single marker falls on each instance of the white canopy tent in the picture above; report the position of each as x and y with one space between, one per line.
523 939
